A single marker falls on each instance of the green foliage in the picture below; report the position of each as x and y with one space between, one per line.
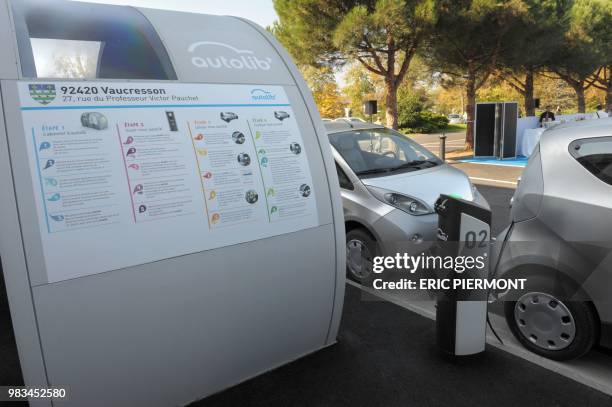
473 34
496 90
305 28
358 87
414 115
537 32
592 21
470 41
455 128
371 25
585 45
425 122
333 32
325 92
382 35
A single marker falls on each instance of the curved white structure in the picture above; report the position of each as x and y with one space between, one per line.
156 259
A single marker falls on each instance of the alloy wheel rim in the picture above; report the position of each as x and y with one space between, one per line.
358 258
545 321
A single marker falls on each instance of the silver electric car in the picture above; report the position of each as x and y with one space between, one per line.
560 240
389 184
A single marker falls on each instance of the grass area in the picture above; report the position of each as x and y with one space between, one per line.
452 128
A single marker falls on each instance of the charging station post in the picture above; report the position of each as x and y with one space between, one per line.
461 314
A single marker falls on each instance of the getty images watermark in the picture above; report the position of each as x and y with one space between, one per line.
449 272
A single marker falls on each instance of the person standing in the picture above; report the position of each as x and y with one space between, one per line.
547 116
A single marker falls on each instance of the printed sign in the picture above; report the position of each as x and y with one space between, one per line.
127 174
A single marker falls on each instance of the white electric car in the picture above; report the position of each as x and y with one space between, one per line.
560 240
389 184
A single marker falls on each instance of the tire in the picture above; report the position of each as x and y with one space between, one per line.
553 328
368 248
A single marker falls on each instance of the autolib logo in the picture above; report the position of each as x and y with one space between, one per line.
240 59
259 95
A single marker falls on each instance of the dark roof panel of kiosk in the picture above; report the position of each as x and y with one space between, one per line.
60 39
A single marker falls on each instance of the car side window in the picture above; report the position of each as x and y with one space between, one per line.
594 154
345 182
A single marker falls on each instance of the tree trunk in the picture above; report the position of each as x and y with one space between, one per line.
580 98
391 103
609 98
470 93
528 95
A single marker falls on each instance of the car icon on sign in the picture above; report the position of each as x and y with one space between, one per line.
280 115
228 116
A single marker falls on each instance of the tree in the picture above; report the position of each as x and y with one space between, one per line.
602 79
448 99
594 17
577 58
359 87
556 93
538 32
469 38
325 92
382 35
497 89
574 64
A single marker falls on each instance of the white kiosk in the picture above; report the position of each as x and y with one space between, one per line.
171 219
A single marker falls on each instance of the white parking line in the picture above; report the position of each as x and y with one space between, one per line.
493 180
447 143
500 164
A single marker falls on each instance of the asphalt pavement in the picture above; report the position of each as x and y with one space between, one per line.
593 370
454 141
10 370
387 356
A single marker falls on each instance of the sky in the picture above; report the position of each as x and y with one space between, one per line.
260 11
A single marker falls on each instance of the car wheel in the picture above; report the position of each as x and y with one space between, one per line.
550 327
361 248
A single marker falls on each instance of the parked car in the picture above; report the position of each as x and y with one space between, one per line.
389 184
351 119
560 239
455 118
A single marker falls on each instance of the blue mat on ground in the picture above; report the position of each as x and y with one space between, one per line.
519 161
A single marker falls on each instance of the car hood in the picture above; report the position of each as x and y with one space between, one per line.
427 184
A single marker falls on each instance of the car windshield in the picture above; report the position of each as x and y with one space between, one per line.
381 151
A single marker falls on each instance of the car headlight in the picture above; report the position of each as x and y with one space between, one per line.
408 204
475 192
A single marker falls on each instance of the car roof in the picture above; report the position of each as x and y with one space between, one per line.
567 132
338 126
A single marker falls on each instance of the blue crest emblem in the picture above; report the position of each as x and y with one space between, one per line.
42 93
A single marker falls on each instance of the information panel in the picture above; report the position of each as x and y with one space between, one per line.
130 173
